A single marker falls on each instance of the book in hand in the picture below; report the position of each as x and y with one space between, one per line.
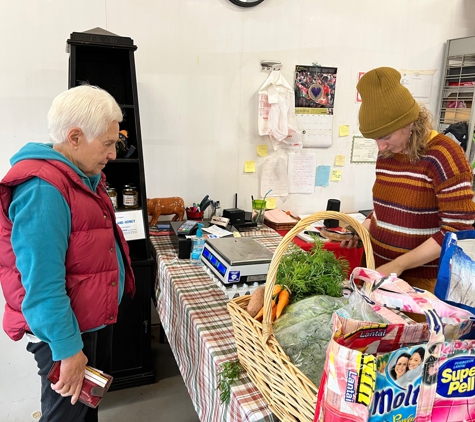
94 386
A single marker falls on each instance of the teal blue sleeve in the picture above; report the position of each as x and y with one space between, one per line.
41 228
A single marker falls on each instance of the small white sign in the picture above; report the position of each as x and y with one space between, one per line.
363 150
217 231
131 223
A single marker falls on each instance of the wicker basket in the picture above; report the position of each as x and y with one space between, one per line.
287 391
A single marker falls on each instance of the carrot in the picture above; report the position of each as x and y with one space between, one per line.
277 290
260 314
283 301
274 313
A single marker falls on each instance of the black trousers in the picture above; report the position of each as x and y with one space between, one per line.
54 408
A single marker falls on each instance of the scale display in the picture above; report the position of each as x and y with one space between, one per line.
234 260
214 261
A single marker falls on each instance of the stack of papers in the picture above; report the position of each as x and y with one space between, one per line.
278 216
216 231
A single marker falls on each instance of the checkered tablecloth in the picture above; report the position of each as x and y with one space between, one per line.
193 313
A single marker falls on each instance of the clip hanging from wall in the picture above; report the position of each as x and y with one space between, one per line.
270 65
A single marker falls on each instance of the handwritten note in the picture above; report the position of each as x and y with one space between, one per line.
271 203
323 175
262 150
344 130
336 175
339 160
274 176
302 168
249 167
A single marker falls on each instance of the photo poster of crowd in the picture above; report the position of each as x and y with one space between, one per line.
314 89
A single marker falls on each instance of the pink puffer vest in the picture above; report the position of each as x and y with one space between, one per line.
91 264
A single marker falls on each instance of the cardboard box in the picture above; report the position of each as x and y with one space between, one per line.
456 115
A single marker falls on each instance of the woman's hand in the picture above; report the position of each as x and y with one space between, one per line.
351 243
390 268
71 376
355 241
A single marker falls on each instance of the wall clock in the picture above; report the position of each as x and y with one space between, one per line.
246 3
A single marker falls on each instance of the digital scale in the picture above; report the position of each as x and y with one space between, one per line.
236 260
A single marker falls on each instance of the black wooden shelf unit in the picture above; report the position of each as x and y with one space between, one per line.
104 59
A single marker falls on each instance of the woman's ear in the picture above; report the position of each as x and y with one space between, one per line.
74 137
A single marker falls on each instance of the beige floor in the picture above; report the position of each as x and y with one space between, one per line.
167 400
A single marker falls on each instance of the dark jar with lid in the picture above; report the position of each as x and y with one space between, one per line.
113 196
130 197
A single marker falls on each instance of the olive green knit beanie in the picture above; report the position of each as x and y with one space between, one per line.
387 105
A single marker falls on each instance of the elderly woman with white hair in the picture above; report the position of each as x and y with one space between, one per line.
64 262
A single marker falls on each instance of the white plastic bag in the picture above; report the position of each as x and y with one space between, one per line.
276 114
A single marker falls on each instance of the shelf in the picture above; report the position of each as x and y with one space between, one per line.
459 69
101 58
462 89
124 161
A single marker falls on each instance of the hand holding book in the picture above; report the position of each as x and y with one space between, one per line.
95 384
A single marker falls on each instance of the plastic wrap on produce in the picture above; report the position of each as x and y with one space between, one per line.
305 329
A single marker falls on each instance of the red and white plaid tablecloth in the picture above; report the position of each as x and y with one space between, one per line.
193 313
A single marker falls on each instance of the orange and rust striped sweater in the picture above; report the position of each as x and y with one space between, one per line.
418 200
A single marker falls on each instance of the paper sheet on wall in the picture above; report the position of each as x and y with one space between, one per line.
419 83
358 96
344 130
262 150
339 160
322 176
302 168
363 150
317 130
249 166
336 176
274 176
315 88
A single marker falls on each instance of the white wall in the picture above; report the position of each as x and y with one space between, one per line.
198 70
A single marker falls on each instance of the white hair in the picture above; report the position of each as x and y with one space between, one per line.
87 107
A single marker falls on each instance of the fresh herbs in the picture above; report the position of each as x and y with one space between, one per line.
318 272
227 376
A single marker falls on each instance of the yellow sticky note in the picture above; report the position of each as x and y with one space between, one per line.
262 150
339 160
344 130
249 167
271 203
335 175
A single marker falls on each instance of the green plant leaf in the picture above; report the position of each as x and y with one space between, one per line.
317 272
227 376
